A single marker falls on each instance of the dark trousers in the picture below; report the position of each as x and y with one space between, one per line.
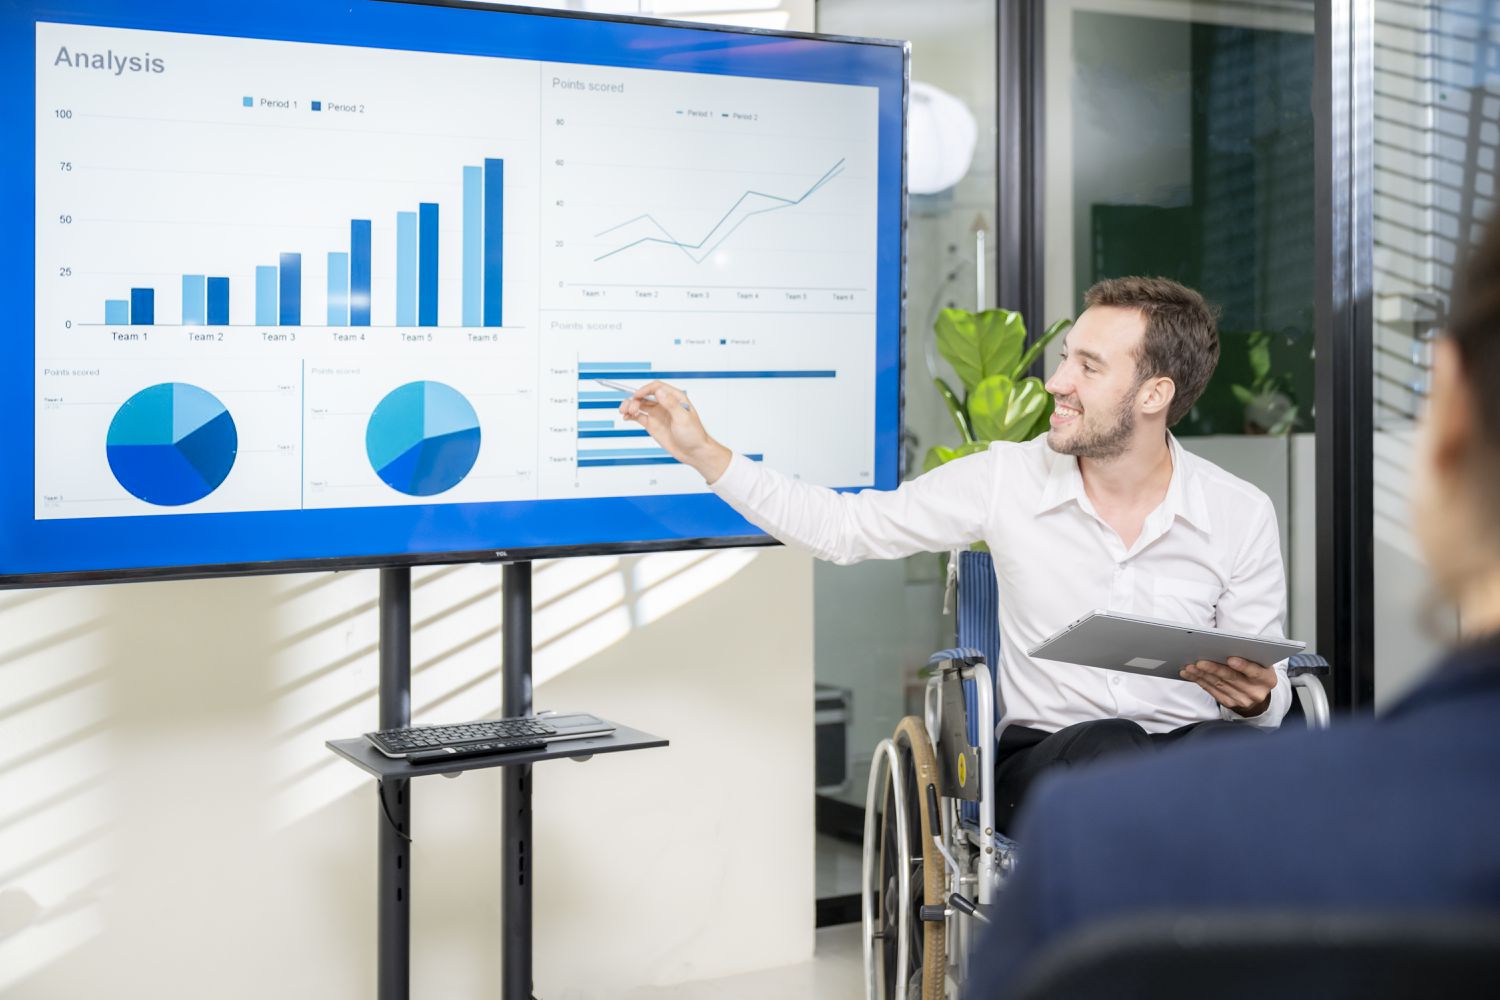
1026 754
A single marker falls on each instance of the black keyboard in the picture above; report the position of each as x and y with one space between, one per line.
419 744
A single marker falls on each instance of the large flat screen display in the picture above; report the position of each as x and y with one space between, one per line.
304 283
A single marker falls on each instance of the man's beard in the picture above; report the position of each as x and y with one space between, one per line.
1100 442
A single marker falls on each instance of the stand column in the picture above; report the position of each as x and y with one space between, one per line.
394 858
515 822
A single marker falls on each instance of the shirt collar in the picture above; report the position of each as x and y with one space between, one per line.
1184 499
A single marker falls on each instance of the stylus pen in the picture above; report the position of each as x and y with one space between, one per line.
622 387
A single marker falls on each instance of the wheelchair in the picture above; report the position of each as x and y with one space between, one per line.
933 858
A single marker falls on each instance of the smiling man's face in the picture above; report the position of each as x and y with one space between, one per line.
1095 387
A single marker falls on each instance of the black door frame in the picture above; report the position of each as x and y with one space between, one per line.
1343 152
1020 149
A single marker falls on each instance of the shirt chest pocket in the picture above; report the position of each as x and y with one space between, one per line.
1190 602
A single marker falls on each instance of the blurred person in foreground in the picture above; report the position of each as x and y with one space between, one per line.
1399 812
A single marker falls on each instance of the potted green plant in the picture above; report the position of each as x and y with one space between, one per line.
1000 401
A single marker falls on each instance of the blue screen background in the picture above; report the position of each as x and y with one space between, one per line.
31 551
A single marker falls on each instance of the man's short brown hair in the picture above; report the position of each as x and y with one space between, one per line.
1181 340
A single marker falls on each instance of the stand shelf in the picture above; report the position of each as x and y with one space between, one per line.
360 753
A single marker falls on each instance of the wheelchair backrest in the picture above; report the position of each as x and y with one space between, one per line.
978 628
979 605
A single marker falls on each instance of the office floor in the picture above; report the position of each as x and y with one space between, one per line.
833 974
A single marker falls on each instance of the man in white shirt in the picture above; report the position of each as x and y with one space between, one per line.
1106 510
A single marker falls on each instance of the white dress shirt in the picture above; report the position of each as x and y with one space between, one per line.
1209 555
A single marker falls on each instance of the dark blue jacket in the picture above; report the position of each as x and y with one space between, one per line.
1399 811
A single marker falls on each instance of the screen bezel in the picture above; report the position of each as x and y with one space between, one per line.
522 554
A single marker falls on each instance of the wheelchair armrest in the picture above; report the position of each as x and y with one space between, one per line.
1306 663
966 655
1312 697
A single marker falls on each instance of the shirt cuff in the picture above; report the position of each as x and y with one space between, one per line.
1230 715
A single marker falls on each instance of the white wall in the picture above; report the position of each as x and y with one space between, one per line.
172 826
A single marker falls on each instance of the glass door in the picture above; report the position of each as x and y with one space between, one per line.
1180 142
1436 131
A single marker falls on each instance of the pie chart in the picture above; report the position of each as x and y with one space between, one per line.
422 438
171 443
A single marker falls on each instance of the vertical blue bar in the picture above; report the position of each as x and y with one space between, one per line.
265 296
142 306
291 289
427 273
406 268
338 289
473 246
116 311
494 240
359 272
194 304
218 301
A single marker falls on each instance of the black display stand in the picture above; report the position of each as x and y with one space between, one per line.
394 779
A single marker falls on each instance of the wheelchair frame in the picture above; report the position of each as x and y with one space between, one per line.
962 858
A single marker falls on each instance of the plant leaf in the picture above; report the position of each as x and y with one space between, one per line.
938 455
1041 410
1027 401
979 345
1260 360
1043 418
955 410
1037 348
1285 424
1002 410
987 405
1245 396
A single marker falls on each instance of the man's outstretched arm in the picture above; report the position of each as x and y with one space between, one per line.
947 508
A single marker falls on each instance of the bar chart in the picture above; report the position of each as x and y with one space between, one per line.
418 265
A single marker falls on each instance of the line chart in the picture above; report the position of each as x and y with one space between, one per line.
703 248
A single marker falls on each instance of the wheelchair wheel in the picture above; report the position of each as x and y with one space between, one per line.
905 872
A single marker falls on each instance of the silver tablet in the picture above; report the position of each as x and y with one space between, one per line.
1155 648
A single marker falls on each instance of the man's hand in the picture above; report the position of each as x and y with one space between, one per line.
673 422
1240 685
